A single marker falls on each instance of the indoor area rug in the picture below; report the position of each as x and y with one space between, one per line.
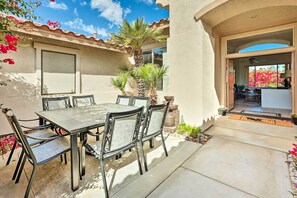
262 120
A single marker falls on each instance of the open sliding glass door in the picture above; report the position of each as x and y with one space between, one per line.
230 84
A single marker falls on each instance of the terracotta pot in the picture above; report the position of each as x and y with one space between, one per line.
169 98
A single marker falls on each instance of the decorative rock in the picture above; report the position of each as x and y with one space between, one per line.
173 107
172 119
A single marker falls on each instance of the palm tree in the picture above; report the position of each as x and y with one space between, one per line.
151 74
133 36
120 82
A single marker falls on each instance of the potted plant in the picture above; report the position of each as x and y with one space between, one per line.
294 118
222 110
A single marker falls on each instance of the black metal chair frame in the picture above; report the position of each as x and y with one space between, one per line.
125 97
27 151
46 100
135 98
75 98
106 143
148 137
40 127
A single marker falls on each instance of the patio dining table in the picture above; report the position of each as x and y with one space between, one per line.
78 120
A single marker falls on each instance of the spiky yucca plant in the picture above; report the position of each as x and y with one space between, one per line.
120 81
133 36
151 74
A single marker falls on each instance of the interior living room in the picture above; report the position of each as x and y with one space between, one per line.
262 85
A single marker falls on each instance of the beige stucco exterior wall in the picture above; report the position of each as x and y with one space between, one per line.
191 56
23 93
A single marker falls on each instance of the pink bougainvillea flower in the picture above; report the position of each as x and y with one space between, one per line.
294 144
294 149
12 47
53 24
9 61
293 153
11 39
3 49
52 0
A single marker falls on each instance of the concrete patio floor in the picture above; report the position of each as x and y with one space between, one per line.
243 159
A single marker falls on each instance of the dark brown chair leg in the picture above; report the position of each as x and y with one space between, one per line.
18 165
21 169
11 152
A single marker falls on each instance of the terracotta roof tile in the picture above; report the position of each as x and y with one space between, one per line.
160 23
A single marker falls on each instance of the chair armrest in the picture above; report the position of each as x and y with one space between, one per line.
45 139
37 127
30 120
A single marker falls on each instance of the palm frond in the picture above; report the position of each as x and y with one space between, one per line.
120 81
151 73
134 35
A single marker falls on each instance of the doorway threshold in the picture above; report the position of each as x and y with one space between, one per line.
260 114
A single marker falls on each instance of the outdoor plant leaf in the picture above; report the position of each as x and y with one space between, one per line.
132 37
120 81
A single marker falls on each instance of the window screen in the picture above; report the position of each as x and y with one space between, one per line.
58 72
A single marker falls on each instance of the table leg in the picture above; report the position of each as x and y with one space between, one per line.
74 163
83 140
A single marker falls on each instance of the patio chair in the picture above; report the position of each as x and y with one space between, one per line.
54 104
36 131
82 101
124 100
141 102
38 154
153 127
120 134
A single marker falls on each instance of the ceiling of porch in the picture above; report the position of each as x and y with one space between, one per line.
229 17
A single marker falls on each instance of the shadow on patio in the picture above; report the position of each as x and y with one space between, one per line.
53 178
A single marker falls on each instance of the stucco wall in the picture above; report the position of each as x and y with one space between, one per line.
191 55
23 93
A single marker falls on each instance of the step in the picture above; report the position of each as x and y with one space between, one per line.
249 137
260 128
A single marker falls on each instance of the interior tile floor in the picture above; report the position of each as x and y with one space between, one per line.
241 105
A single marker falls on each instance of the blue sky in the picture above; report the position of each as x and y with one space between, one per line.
103 16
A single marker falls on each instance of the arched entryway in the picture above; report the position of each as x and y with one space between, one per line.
248 23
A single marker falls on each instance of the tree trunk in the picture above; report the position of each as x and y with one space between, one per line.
154 96
138 58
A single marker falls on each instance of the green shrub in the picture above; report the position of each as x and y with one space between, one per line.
184 128
194 131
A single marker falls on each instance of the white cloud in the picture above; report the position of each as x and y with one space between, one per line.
78 24
83 3
127 11
110 10
147 2
75 12
57 6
